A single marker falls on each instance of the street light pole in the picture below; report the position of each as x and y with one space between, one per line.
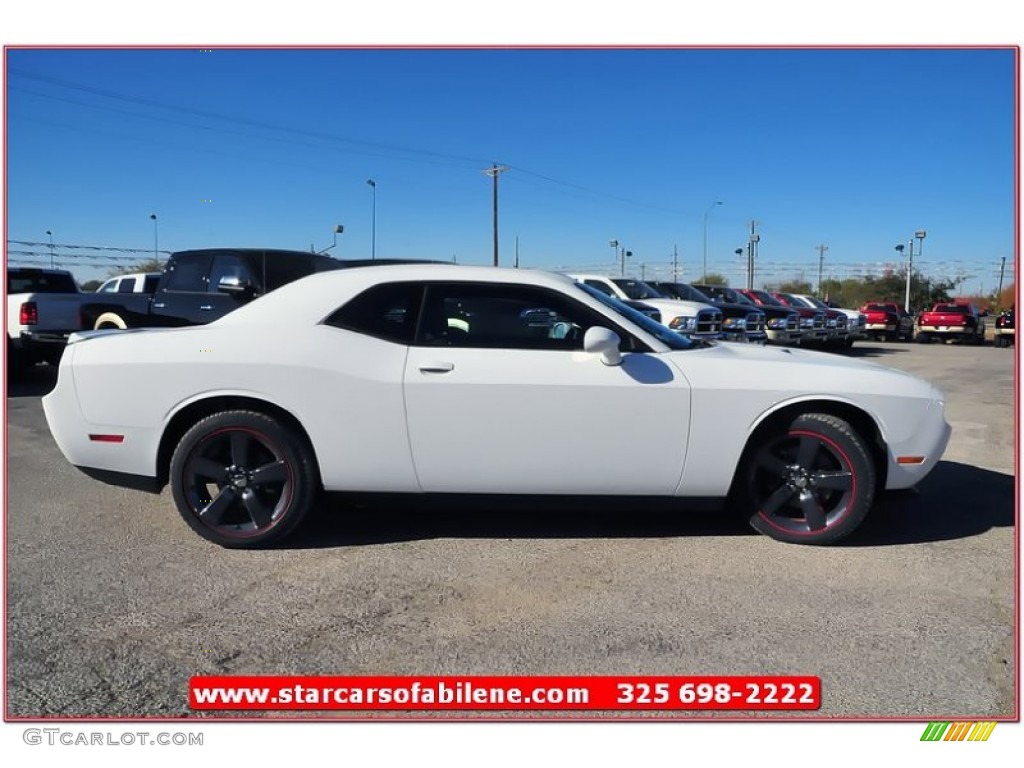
614 245
909 270
708 211
156 239
373 220
920 235
51 252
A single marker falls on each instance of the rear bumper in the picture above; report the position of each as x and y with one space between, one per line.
949 331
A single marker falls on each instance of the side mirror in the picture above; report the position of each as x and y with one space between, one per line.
603 342
233 285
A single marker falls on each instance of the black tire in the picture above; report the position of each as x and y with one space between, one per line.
812 482
924 338
242 479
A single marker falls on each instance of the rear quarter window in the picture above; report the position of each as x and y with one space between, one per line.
389 311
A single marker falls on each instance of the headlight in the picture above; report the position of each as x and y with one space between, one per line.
683 323
740 323
777 323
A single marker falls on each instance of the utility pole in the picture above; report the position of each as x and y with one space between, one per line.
1002 270
494 171
675 263
910 268
517 251
821 263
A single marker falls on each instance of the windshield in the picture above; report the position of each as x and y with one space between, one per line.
666 336
635 289
816 302
721 293
767 298
684 292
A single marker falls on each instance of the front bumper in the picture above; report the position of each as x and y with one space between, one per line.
928 442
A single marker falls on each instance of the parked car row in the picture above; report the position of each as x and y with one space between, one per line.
198 286
718 312
45 306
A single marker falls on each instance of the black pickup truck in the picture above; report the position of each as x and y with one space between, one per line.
199 286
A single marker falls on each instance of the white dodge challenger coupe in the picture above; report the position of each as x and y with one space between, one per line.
435 378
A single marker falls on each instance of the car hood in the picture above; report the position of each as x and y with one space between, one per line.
679 306
796 371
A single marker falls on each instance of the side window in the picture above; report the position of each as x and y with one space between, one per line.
602 286
230 265
501 316
127 285
188 274
108 287
151 283
388 311
283 268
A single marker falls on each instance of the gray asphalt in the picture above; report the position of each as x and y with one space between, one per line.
113 603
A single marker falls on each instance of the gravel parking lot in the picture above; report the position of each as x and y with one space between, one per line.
113 603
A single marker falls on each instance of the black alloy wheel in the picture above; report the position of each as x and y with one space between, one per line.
241 479
812 483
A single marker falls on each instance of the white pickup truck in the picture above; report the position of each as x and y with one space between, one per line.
688 318
42 311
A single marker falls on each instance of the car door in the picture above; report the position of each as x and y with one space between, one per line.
183 291
501 398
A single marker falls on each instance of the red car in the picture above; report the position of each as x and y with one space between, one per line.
951 321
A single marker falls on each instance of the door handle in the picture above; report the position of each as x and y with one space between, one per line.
206 307
437 367
161 305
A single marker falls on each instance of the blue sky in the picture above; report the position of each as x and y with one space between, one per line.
855 149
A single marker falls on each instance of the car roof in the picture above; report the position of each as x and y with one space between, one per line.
312 298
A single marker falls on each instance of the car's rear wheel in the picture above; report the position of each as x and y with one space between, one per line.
812 482
242 479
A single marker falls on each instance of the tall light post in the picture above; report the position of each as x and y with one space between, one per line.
614 245
51 250
373 220
706 213
910 269
156 239
920 235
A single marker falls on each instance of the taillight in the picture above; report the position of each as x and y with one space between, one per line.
29 314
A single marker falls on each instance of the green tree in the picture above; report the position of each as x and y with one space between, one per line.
91 285
713 278
796 286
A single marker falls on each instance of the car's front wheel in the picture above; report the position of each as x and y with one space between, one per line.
242 479
812 482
